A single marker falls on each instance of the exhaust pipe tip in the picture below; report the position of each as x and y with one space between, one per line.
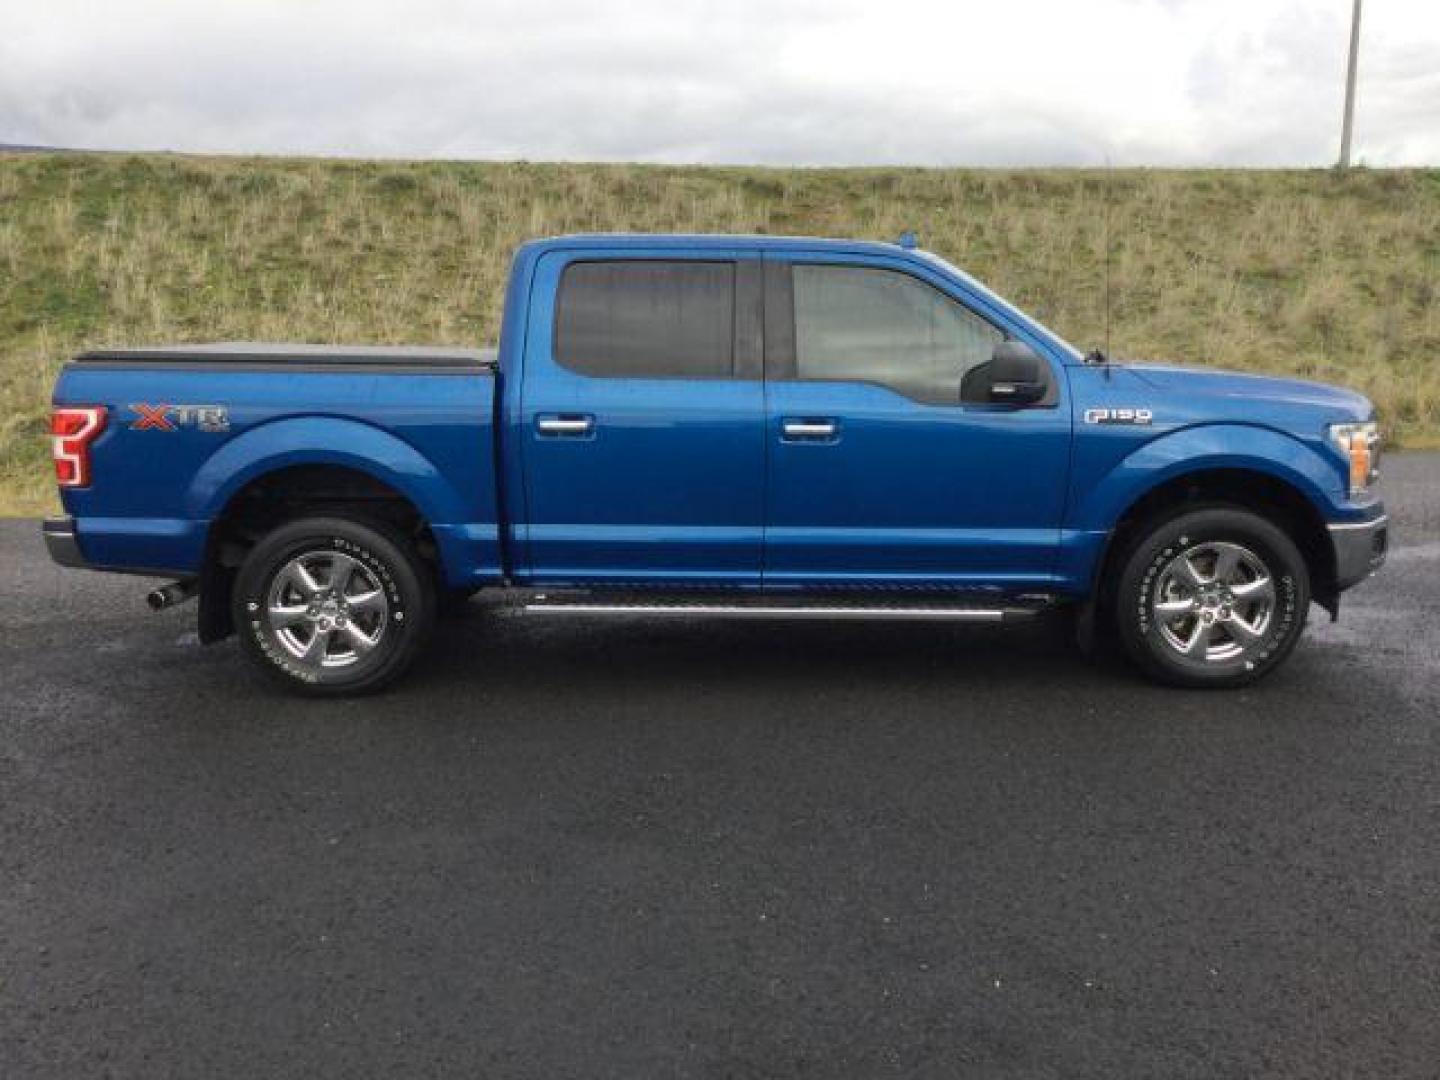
177 592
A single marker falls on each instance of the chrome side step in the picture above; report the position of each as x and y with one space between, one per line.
992 610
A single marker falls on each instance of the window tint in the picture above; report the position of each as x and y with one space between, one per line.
860 323
646 319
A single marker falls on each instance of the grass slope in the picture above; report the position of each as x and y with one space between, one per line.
1317 274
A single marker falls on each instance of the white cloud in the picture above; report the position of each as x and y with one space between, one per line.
1184 82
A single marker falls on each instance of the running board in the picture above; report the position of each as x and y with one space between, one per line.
810 607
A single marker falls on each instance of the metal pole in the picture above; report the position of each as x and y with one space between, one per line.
1349 121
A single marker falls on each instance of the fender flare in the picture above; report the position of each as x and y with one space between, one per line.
322 440
1205 448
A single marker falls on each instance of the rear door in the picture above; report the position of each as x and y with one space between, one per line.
879 472
642 415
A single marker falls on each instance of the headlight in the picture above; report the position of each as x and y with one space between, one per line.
1360 445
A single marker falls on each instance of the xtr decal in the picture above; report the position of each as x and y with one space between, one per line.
165 417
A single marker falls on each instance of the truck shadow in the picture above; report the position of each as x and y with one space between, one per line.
518 652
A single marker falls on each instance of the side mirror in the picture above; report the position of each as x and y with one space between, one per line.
1017 375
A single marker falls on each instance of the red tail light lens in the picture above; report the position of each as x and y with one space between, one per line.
74 430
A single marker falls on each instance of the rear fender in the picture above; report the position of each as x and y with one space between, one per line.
320 440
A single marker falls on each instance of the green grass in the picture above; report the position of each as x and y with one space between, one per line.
1315 273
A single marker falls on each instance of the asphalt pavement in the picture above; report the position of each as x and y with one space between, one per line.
635 849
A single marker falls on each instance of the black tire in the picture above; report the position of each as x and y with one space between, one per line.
390 601
1233 639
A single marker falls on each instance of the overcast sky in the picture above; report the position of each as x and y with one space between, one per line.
812 82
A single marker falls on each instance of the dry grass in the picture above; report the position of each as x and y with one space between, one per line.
1317 274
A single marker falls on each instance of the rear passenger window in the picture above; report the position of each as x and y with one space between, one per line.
647 319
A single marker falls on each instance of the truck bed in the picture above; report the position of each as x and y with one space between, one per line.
418 419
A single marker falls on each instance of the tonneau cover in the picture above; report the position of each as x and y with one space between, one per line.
269 353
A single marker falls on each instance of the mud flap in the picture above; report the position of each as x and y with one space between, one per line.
213 618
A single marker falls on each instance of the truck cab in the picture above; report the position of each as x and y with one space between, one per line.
738 426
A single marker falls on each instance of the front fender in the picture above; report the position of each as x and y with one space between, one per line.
322 440
1107 481
1196 449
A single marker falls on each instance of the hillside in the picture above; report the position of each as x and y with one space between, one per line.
1317 274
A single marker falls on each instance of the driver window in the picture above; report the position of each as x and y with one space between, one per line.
864 324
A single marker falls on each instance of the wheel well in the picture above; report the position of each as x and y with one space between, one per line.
1277 501
276 497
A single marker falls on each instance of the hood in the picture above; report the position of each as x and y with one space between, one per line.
1213 383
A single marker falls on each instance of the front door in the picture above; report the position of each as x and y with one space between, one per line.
879 472
642 420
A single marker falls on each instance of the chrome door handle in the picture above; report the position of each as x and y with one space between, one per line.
808 429
565 425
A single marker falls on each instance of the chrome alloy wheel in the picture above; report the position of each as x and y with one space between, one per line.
326 609
1213 602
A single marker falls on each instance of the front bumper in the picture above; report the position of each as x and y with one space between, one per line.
60 540
1360 548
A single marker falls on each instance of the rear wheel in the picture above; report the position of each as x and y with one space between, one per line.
333 606
1215 597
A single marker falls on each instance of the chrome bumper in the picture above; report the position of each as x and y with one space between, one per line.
1360 548
59 536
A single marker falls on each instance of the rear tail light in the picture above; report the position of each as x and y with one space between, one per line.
74 429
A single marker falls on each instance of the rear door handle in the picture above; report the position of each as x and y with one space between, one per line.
566 425
812 430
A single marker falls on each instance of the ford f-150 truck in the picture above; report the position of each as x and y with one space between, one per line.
719 426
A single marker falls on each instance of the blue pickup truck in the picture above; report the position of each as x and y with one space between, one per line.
719 426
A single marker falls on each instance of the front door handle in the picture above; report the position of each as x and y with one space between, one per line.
810 430
568 425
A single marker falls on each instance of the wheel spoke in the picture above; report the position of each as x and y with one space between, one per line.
1199 638
1171 609
342 569
359 640
286 615
1244 633
1227 558
298 575
317 648
368 602
1186 572
1262 588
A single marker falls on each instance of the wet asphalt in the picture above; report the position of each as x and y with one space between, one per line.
714 849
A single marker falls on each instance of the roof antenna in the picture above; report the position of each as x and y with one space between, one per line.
1109 176
1106 230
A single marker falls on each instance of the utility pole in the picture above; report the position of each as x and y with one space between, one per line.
1349 121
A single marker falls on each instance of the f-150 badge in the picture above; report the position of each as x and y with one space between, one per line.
1118 416
165 417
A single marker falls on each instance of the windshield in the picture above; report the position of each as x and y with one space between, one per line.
1005 305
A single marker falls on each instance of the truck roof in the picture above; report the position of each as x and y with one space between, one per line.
704 241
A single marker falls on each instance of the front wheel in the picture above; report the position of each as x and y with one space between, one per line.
333 606
1213 598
